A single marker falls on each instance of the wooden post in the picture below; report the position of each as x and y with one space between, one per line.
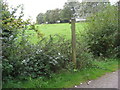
73 42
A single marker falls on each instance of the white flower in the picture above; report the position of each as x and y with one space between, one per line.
23 61
40 50
57 58
58 53
75 86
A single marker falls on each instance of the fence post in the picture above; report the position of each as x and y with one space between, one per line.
73 41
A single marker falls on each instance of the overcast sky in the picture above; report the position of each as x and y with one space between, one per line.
33 7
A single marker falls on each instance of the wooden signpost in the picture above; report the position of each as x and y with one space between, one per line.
73 20
73 41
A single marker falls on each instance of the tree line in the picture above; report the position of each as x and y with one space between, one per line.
82 10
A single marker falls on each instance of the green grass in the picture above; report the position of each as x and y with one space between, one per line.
67 79
63 29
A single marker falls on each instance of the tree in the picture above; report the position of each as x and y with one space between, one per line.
40 18
66 13
48 16
89 8
56 14
51 16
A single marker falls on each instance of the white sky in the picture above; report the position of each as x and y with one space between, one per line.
33 7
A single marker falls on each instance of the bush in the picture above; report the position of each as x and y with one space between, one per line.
84 56
22 59
102 32
46 58
51 56
10 50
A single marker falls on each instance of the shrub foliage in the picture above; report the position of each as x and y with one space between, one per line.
24 59
102 32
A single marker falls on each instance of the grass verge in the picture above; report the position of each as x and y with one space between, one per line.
67 79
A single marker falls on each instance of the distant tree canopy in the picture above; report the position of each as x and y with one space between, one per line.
67 11
51 16
40 18
82 10
89 8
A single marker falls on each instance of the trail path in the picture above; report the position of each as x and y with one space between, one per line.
109 80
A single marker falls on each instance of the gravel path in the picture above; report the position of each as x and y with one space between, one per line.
110 80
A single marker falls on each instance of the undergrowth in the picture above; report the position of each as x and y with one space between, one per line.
67 79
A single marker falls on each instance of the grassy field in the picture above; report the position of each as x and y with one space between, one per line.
67 79
62 29
52 29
